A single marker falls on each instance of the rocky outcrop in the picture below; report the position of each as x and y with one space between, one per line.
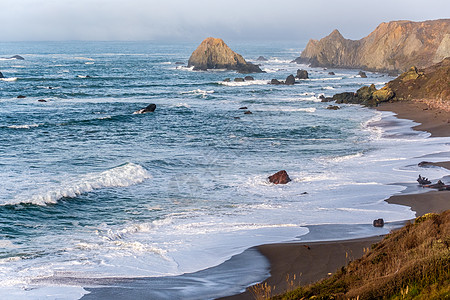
17 57
430 85
290 80
215 54
393 46
262 58
280 177
1 75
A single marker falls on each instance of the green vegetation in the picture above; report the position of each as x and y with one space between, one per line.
410 263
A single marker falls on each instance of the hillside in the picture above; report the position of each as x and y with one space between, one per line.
393 46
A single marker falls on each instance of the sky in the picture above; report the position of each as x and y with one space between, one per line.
192 20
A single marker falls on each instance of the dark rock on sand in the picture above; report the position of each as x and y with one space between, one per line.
21 97
362 74
333 107
439 185
302 74
239 79
262 58
378 223
215 54
280 177
290 80
249 78
149 108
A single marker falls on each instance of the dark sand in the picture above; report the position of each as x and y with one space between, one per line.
315 261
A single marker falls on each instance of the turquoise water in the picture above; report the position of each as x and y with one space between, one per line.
89 189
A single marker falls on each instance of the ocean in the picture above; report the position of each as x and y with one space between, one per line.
92 194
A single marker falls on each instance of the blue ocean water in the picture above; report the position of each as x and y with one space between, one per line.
91 190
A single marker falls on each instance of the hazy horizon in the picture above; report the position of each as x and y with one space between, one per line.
177 20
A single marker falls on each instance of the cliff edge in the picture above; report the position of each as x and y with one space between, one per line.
215 54
393 46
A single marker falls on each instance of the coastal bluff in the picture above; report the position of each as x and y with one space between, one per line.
392 47
215 54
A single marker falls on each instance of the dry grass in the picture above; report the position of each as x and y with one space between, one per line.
411 263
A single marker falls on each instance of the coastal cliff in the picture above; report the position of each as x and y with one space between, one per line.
215 54
393 46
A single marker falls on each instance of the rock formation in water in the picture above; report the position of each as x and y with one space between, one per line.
1 75
149 108
280 177
393 46
215 54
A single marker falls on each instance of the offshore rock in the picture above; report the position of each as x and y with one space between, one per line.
249 78
276 82
290 80
149 108
280 177
333 107
362 74
1 75
302 74
17 57
262 58
391 47
378 223
331 73
239 79
215 54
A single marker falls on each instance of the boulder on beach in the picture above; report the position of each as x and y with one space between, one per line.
215 54
302 74
262 58
280 177
290 80
149 108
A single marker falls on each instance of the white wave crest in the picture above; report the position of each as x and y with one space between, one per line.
9 79
324 79
121 176
245 83
198 92
89 63
288 109
25 126
328 88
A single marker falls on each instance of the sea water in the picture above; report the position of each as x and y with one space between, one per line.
89 190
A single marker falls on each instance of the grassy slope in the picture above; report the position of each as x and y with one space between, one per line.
411 263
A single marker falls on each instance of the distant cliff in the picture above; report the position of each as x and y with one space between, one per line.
215 54
393 46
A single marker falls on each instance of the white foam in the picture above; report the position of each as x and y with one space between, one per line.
287 109
198 92
89 63
83 76
122 176
10 79
244 83
25 126
328 88
323 79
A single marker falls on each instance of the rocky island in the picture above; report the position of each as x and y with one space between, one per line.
392 47
215 54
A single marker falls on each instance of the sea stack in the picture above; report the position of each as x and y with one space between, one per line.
215 54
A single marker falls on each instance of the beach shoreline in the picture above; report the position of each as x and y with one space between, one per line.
310 262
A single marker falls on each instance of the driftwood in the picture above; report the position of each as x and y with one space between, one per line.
439 185
422 180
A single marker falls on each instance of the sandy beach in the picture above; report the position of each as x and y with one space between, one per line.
310 262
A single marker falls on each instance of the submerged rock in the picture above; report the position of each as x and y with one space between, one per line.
215 54
302 74
17 57
248 112
149 108
21 97
262 58
243 107
42 100
227 80
280 177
